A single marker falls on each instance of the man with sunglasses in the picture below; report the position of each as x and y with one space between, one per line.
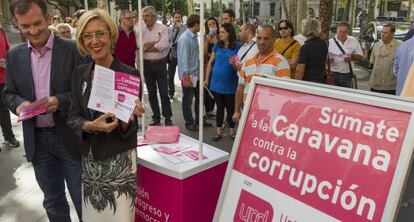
42 68
287 46
126 45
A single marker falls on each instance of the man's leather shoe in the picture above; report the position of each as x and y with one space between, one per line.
191 127
155 122
168 122
206 124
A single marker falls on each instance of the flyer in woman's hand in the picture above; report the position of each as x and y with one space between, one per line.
126 92
114 92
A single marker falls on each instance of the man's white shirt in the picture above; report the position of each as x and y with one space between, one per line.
252 52
351 46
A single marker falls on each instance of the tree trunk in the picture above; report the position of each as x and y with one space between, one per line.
353 13
410 7
371 10
243 16
220 8
190 7
347 9
325 12
285 8
302 14
293 13
58 7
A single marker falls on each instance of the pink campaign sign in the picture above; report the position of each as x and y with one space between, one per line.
336 156
127 83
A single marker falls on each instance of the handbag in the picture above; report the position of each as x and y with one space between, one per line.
173 42
354 81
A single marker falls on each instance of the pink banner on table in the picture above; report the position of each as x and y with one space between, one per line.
335 156
167 199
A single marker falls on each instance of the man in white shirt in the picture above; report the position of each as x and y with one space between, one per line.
343 49
249 49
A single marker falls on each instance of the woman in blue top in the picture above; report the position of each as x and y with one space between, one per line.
224 78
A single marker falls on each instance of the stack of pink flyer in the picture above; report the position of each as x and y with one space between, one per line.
114 92
33 109
162 134
178 153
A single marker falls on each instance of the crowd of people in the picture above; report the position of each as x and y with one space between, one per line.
94 152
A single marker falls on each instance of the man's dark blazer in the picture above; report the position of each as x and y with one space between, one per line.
19 87
103 145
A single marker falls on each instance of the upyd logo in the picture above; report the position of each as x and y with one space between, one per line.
251 208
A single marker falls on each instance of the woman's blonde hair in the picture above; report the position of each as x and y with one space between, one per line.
92 15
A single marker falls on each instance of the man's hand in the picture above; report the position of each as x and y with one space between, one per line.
152 49
186 81
52 104
19 108
150 44
2 63
236 116
104 123
348 58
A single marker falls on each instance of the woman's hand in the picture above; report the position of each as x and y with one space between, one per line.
104 123
212 38
139 109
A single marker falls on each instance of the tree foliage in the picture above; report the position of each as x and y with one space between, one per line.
64 5
325 12
179 5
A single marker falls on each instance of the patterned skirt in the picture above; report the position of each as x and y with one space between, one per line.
108 188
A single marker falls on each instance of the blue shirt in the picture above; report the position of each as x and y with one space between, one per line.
224 78
404 57
187 51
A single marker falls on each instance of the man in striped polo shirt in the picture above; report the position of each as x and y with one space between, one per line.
267 63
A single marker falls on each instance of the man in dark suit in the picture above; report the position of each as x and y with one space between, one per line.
42 67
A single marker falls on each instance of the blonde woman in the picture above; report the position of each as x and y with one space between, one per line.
108 145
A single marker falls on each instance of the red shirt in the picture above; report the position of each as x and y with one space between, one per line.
125 47
4 47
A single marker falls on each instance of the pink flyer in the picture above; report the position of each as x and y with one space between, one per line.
127 89
32 110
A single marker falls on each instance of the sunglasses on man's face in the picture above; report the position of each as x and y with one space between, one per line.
283 28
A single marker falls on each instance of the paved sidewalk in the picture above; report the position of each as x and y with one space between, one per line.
20 196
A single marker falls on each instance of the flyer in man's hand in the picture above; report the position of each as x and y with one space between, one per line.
114 92
33 109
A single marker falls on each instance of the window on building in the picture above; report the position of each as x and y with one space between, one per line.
256 9
272 9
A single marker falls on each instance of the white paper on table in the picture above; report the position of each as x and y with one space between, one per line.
102 92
